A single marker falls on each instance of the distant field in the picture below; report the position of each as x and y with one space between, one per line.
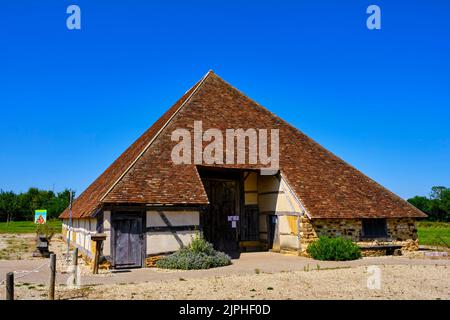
26 226
434 233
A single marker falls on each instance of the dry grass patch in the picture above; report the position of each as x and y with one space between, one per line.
15 247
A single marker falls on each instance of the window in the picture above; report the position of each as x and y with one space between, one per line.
374 228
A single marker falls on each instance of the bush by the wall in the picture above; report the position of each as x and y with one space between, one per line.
199 255
200 245
334 249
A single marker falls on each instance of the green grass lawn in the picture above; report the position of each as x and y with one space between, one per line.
431 233
26 226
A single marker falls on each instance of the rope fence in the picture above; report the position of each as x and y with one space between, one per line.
23 273
19 274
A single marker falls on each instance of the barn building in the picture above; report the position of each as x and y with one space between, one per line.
147 205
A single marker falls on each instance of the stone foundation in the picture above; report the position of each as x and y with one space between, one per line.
150 262
400 231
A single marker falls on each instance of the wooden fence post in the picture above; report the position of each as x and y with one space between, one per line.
98 247
75 266
10 286
51 287
98 239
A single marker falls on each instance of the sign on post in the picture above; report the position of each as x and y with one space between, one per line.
40 216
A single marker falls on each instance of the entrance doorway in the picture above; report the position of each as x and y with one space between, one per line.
128 240
221 221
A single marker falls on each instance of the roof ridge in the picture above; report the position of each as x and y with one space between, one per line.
157 134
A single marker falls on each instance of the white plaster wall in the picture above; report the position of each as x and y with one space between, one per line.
83 230
283 225
176 218
267 184
281 202
288 241
274 202
288 198
165 242
65 226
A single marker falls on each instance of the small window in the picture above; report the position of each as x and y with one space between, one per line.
374 228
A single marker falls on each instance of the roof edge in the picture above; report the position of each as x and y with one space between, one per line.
296 197
367 217
157 134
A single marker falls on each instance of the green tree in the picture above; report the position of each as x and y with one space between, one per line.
436 192
58 204
440 206
421 203
22 206
437 205
9 205
445 201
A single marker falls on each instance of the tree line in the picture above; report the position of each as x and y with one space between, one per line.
21 206
436 205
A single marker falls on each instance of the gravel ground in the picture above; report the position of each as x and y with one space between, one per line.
397 282
254 276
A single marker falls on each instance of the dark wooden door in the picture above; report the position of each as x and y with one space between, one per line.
250 223
271 229
128 241
224 201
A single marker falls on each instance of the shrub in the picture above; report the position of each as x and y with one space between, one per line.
45 230
199 255
334 249
200 245
188 260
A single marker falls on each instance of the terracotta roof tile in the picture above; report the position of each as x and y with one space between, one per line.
327 186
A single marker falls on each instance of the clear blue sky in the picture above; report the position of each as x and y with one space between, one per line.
72 101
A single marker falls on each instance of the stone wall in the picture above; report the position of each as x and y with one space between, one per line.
401 231
404 232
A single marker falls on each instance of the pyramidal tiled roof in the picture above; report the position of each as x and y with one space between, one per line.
145 174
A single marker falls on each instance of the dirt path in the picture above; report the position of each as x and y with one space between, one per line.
397 282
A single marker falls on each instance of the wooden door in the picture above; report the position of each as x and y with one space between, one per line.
272 221
250 223
224 201
128 241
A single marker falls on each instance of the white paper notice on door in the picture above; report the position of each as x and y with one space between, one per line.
233 224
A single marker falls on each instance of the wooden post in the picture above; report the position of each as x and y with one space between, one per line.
98 238
10 286
98 248
51 287
75 266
